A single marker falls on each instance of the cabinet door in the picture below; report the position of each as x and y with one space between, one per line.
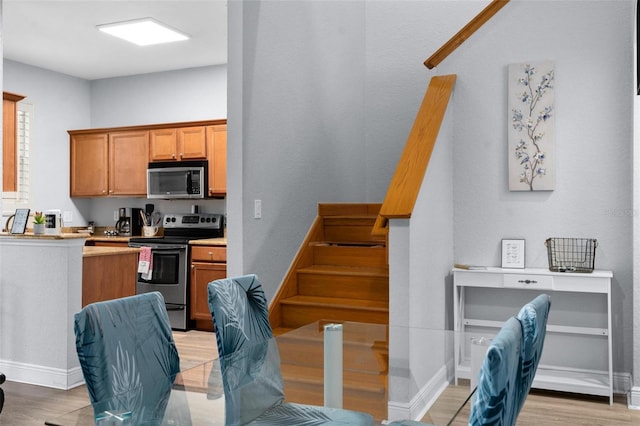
202 274
128 155
163 145
217 155
89 165
191 143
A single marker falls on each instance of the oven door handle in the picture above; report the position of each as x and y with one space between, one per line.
161 247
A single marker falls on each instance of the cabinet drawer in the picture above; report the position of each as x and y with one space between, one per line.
533 282
209 254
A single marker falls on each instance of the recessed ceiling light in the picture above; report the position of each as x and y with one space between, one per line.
143 32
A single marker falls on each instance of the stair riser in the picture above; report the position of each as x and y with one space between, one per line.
294 316
305 393
350 287
350 230
350 256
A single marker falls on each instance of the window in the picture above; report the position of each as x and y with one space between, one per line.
21 197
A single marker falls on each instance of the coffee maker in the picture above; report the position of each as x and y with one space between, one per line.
123 225
129 221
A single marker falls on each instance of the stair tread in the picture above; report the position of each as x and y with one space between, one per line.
371 271
337 302
355 244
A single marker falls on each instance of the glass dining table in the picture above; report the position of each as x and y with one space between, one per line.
390 372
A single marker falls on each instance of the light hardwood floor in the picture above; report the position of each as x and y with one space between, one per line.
27 405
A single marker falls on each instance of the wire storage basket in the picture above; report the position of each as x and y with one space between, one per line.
571 254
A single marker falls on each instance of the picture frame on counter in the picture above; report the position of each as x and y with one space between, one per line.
513 253
20 218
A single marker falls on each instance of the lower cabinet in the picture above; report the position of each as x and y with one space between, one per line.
108 276
208 263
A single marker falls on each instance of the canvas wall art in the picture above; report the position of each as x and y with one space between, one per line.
531 127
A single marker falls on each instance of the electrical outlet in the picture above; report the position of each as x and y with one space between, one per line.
67 217
257 209
115 215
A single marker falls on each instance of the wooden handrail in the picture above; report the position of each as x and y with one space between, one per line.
412 166
465 33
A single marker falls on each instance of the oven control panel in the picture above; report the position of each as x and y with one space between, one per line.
193 220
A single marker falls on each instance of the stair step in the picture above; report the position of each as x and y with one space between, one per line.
344 282
301 310
349 209
349 255
350 228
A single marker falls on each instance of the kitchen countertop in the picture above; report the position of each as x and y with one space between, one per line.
88 251
31 235
209 242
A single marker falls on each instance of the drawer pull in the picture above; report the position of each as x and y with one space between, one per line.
528 281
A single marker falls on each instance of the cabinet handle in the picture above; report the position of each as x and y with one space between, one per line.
173 156
181 155
528 281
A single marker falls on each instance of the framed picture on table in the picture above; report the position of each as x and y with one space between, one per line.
513 254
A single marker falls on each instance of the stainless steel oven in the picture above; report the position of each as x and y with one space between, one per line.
170 257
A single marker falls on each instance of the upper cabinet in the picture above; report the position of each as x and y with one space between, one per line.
217 150
114 161
128 153
177 144
109 164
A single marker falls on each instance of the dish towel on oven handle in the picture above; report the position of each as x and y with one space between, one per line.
145 263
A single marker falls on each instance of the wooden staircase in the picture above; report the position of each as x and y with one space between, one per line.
340 274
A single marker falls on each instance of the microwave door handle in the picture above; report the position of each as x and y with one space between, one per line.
189 180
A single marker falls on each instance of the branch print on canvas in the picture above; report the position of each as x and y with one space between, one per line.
531 127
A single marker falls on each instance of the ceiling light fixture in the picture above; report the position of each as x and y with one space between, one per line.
143 32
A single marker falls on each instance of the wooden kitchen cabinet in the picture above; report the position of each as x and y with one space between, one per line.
128 154
89 165
108 274
208 263
109 163
217 156
177 144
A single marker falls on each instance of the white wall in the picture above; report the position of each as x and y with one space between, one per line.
164 97
590 43
330 91
61 102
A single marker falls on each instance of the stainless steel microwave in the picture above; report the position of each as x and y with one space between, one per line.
171 179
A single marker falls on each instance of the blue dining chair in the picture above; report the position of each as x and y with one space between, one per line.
250 362
533 317
499 379
128 356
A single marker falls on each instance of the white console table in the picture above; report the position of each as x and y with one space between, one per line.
577 349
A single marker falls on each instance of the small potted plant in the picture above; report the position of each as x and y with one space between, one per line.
38 223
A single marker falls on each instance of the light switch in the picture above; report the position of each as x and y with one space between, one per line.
257 209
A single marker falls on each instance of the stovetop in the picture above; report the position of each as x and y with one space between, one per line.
180 228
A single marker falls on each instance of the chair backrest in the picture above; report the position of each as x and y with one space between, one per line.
128 357
496 396
249 357
533 317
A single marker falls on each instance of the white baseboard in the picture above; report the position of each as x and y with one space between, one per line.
42 376
633 398
422 401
